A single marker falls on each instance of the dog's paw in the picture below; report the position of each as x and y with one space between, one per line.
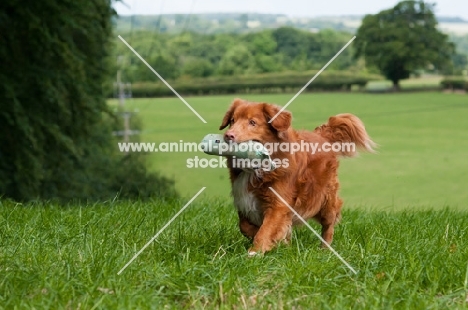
251 253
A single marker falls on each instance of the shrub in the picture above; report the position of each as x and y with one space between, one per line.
455 83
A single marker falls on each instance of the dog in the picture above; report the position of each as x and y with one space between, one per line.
308 183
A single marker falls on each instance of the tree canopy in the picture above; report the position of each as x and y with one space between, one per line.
403 39
193 55
55 128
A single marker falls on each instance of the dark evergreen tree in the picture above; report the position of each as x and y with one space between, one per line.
55 128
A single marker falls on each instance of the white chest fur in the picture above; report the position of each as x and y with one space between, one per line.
245 201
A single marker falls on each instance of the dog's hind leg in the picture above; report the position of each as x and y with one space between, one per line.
329 216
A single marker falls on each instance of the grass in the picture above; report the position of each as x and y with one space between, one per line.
404 227
68 258
422 137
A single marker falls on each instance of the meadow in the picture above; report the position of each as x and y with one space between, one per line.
421 160
404 227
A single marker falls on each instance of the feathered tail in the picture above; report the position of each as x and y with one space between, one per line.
345 129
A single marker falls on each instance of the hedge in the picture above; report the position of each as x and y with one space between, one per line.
455 83
262 83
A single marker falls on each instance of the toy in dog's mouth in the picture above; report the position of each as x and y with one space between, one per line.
253 154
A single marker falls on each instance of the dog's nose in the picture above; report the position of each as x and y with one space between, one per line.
229 136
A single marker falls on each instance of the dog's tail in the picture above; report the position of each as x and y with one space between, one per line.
349 132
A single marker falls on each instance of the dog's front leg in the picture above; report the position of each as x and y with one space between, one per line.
276 227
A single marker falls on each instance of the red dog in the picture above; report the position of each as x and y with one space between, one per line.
309 183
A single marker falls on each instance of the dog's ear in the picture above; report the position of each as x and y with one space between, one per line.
282 122
230 113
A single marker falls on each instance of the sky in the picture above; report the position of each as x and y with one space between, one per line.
293 8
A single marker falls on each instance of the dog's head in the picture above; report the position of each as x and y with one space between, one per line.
250 121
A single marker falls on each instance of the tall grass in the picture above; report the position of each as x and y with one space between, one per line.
68 257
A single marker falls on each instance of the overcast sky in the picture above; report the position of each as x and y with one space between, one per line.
298 8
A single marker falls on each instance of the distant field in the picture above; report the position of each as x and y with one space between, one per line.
422 160
413 83
457 28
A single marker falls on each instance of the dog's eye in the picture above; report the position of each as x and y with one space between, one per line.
252 122
232 121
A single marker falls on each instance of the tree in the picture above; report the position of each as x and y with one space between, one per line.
329 42
460 63
55 126
164 63
291 43
260 43
266 63
197 67
237 60
403 39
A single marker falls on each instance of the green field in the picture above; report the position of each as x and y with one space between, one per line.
404 226
422 159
